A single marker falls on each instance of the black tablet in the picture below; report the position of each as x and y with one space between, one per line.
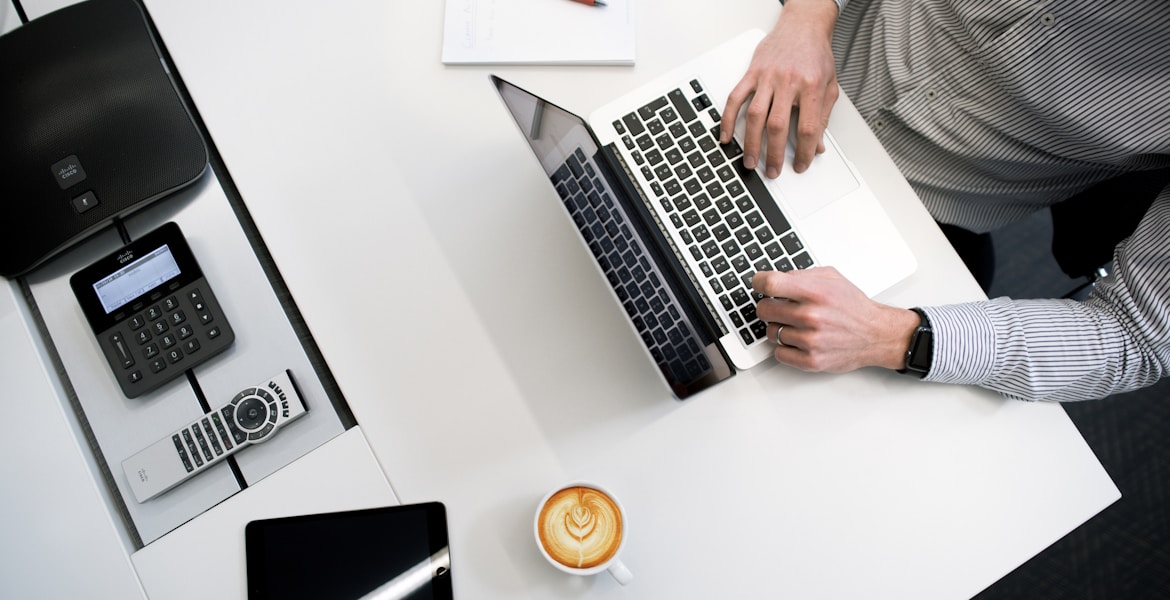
384 553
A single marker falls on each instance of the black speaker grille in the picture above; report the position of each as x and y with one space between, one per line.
87 82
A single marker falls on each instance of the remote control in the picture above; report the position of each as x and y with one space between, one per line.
254 415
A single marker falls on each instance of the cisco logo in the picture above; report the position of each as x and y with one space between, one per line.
125 257
68 172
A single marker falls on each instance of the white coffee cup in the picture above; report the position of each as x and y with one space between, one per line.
581 529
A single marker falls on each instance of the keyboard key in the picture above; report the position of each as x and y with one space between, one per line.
633 124
648 111
792 243
685 111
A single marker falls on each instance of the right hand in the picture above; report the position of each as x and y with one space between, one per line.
829 324
791 69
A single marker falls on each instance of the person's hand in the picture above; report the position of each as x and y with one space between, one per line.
792 69
829 324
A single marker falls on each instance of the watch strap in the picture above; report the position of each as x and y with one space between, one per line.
921 351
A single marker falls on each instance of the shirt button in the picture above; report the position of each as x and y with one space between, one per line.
878 124
1047 19
931 94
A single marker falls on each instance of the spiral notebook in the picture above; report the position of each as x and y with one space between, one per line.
538 32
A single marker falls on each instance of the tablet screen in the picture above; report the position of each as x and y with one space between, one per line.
383 553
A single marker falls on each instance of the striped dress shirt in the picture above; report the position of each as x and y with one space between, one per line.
994 109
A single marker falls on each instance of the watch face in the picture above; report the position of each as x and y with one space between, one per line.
922 350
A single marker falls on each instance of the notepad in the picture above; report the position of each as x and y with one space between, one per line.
538 32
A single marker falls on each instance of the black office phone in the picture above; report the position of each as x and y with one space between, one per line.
152 310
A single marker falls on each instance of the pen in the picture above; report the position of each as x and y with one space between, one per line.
591 2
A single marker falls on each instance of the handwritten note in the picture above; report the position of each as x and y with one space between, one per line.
538 32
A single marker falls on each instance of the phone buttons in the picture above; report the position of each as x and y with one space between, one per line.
85 202
122 350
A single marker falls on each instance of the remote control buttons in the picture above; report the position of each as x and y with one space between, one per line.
251 413
254 411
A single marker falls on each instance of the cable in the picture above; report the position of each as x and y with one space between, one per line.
122 232
231 460
20 12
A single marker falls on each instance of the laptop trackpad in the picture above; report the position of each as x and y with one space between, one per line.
827 179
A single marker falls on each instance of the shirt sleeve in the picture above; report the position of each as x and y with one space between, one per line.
1117 340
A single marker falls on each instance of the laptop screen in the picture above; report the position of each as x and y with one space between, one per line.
612 227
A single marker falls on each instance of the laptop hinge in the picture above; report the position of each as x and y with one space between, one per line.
617 163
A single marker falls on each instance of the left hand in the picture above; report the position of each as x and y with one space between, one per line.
829 324
792 69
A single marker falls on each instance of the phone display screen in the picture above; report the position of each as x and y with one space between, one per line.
137 278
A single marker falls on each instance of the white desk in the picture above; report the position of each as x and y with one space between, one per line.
486 366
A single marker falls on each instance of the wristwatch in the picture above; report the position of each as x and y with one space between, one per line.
921 351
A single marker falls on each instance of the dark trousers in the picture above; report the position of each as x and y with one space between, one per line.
976 251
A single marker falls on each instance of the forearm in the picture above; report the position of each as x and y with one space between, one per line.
1117 340
1052 350
816 15
840 4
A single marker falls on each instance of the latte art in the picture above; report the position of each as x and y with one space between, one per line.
580 527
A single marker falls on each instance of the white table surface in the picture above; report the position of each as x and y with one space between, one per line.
486 362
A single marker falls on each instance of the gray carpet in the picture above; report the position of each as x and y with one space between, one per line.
1124 552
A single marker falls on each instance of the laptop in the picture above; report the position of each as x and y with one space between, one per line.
678 226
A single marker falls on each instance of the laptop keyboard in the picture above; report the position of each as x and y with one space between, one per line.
640 288
708 202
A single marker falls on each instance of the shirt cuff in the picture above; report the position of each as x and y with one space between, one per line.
964 343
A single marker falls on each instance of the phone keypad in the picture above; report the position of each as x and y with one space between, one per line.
171 332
